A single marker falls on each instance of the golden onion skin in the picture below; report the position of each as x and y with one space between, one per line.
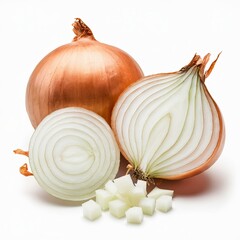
84 73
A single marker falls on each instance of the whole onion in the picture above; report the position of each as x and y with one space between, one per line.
84 73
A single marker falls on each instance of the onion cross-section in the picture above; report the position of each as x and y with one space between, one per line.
72 153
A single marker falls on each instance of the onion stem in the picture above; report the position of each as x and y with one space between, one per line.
81 30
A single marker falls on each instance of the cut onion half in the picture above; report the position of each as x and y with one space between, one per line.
168 125
72 153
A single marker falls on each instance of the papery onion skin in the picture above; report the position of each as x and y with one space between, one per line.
84 73
122 116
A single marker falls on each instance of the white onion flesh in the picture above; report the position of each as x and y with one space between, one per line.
158 192
117 208
91 210
164 203
148 205
167 125
134 215
72 153
124 198
103 197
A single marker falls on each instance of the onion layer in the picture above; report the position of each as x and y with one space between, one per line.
168 126
84 73
72 153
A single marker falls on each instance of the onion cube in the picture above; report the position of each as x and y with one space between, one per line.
103 197
148 205
124 184
91 210
164 203
134 215
136 194
142 184
157 192
117 208
111 187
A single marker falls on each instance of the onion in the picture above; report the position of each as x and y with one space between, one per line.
91 210
72 153
83 73
164 203
168 126
134 215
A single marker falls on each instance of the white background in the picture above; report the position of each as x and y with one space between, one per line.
162 35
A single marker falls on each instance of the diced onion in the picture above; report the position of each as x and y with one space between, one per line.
103 197
134 215
148 205
164 203
157 192
124 198
91 210
117 208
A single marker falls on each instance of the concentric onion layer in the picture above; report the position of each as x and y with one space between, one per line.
72 153
168 125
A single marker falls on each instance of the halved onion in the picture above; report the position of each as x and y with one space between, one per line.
168 126
72 153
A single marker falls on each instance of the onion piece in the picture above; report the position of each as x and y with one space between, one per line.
157 192
72 153
111 187
135 195
117 208
164 203
103 197
142 184
168 126
91 210
124 184
148 205
134 215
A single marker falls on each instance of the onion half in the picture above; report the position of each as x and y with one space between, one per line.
72 153
168 126
84 73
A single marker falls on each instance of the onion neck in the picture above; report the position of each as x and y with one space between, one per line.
201 63
81 30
